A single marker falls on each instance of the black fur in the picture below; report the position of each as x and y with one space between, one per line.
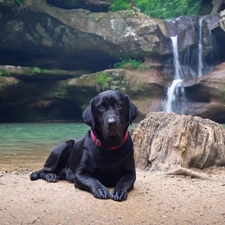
94 168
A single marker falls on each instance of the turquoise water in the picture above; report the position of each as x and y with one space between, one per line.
28 145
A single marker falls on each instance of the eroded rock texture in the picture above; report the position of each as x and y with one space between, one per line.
166 141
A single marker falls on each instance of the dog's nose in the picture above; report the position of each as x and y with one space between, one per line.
112 122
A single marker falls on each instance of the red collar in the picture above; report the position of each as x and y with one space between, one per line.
99 144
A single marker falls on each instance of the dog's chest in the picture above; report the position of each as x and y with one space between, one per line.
110 160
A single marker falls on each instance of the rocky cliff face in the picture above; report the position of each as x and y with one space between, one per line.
207 95
93 5
52 59
51 37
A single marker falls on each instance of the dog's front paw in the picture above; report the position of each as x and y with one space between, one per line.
119 194
101 192
35 175
51 177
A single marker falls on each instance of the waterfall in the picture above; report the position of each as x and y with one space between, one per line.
200 48
171 91
171 96
191 67
176 62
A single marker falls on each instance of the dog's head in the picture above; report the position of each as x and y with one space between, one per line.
109 115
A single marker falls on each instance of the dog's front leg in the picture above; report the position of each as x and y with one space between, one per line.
91 184
126 183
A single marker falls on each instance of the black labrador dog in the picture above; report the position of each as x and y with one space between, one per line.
104 157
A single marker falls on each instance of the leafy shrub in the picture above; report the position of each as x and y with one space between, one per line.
103 78
120 5
168 9
130 64
4 74
7 74
37 70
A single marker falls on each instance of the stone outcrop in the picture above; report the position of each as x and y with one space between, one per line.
62 51
36 101
22 88
23 91
51 37
207 95
92 5
167 141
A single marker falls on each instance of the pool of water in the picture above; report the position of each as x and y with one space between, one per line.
26 146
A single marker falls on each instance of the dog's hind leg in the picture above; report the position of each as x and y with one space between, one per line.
41 174
69 175
56 164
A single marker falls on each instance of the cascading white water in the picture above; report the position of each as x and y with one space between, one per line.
200 48
171 95
176 57
176 100
171 91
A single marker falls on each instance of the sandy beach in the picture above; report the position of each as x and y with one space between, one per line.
155 199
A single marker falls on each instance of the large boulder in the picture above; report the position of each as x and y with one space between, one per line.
166 141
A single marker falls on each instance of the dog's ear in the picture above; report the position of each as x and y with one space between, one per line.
88 115
133 111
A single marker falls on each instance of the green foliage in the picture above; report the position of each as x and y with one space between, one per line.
4 74
164 9
118 5
223 93
37 70
130 64
18 2
168 9
103 78
7 74
44 71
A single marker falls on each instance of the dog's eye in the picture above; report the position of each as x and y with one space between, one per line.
119 106
101 107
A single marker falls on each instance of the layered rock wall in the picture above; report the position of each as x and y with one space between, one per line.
65 49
